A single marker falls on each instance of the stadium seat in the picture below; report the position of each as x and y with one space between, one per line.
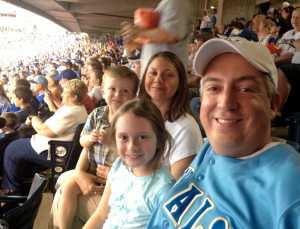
294 127
64 155
22 217
4 142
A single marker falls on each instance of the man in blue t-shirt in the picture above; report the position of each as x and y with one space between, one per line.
213 19
241 177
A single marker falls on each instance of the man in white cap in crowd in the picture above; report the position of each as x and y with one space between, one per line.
241 177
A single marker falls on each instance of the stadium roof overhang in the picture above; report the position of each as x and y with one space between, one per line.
89 16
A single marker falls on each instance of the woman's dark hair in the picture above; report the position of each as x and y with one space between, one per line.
289 10
283 23
2 93
247 25
105 61
180 104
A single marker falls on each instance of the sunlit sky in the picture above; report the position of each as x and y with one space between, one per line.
27 19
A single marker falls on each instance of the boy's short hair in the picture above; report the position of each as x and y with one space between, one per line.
11 119
22 83
24 93
121 72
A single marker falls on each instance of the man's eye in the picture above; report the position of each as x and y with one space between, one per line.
143 137
212 89
245 89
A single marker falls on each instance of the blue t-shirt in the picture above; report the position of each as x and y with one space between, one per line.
213 19
40 98
133 199
223 192
34 104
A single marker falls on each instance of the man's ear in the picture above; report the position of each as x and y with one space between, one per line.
275 102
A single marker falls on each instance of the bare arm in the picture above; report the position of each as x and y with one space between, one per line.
42 128
48 100
98 218
286 58
178 168
88 140
156 35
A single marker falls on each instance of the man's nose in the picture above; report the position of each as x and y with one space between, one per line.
227 100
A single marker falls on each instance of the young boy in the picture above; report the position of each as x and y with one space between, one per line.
119 85
11 122
22 97
40 85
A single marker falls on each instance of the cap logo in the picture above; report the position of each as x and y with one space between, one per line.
235 40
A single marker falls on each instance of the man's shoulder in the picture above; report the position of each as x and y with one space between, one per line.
289 34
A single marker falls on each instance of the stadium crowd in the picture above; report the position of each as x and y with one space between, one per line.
143 137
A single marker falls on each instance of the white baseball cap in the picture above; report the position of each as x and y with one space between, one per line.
258 55
286 4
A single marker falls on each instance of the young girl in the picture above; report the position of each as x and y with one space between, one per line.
138 180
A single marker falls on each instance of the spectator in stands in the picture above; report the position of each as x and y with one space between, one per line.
61 126
236 28
164 83
204 21
222 29
289 88
40 85
265 26
105 62
286 43
5 104
21 97
172 33
220 187
256 22
53 86
284 5
54 103
287 14
249 25
213 19
10 124
5 84
89 69
34 103
279 28
80 65
273 13
96 82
